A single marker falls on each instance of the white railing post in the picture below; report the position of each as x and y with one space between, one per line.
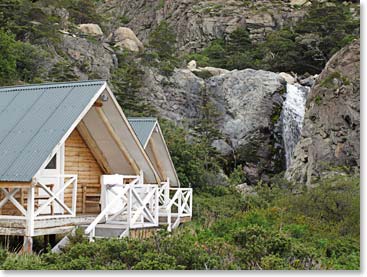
129 204
166 192
141 177
30 210
156 206
190 207
74 197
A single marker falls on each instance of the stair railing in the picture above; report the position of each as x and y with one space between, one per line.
180 201
123 196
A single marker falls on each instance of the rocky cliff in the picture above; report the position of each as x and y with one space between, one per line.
198 22
330 137
78 42
248 103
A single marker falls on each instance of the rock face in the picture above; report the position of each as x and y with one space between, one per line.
91 29
331 133
88 57
198 22
125 38
248 102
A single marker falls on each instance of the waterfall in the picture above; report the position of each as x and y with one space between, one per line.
292 117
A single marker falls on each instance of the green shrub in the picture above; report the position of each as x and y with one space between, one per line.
20 61
155 261
8 59
290 232
22 262
305 47
237 176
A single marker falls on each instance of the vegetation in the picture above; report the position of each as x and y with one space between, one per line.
161 52
19 61
196 160
276 227
127 81
305 47
187 155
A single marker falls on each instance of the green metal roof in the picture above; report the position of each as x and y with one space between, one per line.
142 127
34 119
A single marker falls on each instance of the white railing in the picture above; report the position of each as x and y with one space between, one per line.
144 206
164 194
132 205
45 200
53 199
178 206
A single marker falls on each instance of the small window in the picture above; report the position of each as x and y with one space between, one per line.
52 163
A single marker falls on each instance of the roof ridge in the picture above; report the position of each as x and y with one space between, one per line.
50 84
141 118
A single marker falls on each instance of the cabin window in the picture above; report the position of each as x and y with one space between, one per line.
52 163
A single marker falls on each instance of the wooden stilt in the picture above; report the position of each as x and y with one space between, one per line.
28 245
49 240
52 240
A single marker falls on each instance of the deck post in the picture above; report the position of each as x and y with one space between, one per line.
141 177
27 245
30 211
28 240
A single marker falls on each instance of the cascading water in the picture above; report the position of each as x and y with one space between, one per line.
292 117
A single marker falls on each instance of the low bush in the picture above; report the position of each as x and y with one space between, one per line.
290 232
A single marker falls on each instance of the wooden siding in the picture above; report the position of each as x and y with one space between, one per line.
9 208
80 160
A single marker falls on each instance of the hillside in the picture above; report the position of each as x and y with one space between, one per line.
258 100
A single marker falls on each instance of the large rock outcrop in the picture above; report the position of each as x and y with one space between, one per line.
125 38
91 29
90 60
331 133
248 102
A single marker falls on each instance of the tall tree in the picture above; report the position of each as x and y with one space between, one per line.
207 131
162 40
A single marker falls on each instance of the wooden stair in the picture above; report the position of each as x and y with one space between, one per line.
106 230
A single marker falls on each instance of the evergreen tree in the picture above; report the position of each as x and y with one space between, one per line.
127 81
162 40
8 59
207 131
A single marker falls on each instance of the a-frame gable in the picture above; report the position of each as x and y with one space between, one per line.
35 120
151 138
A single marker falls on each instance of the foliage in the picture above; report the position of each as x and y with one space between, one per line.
237 176
62 71
8 59
206 131
19 60
161 51
162 40
305 47
196 161
127 81
82 11
185 155
28 21
315 228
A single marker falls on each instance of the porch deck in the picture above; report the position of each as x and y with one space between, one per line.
128 207
43 226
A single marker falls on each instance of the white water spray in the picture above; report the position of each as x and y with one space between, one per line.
292 117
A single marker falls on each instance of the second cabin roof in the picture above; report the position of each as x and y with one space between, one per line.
143 127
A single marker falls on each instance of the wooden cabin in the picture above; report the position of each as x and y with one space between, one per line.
70 157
